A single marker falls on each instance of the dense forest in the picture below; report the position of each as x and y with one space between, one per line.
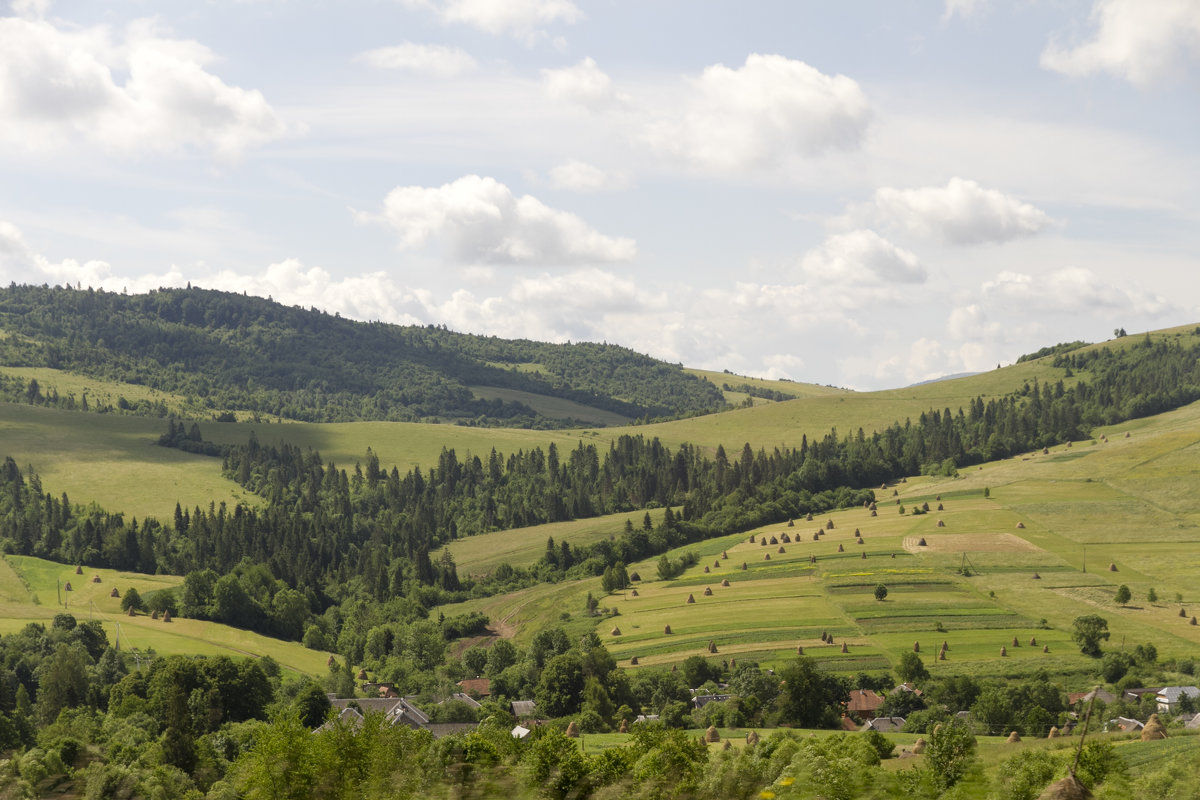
230 352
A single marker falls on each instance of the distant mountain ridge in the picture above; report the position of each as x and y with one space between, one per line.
235 352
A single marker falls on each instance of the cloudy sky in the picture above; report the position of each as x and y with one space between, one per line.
864 194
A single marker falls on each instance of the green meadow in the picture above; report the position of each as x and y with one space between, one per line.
1019 548
35 590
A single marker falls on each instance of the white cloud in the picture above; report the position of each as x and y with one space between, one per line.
963 8
862 255
579 176
428 59
1139 40
766 112
1070 290
585 83
961 212
481 221
58 87
524 19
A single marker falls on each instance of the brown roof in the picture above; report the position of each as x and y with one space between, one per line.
863 700
481 686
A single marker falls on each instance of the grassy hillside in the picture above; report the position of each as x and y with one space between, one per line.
110 458
1126 501
33 590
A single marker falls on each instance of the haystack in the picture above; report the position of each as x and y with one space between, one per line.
615 632
824 636
816 537
154 615
633 576
812 559
706 570
633 593
945 644
633 662
799 649
691 599
809 517
774 540
1045 451
859 540
791 523
941 507
874 513
751 738
68 586
1112 567
840 548
916 647
1069 788
766 556
1182 612
941 524
942 656
895 493
712 647
1068 444
829 525
783 537
1016 642
921 542
1033 641
95 579
1053 734
1003 651
1013 738
724 554
1020 526
1193 622
893 555
752 538
362 675
711 735
1045 648
845 649
727 746
864 555
743 565
781 550
623 727
1126 434
114 593
708 591
762 542
1037 577
79 570
857 533
167 616
1154 729
573 730
919 746
667 630
132 612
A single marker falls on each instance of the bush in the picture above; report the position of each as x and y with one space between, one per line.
879 743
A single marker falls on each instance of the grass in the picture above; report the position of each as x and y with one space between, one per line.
521 547
33 590
553 407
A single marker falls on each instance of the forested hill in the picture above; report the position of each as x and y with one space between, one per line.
234 352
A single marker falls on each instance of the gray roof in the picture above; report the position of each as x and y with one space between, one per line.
884 724
462 697
397 710
524 708
348 716
701 700
1172 694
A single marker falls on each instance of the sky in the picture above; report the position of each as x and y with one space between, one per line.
861 194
